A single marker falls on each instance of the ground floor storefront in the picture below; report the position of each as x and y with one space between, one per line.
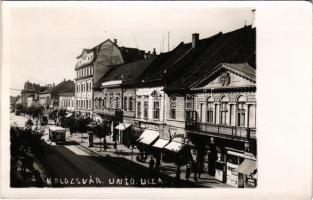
231 161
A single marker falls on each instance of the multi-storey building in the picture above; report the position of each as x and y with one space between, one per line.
220 106
50 98
30 93
118 98
92 64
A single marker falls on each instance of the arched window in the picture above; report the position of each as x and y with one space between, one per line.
241 112
210 108
173 106
224 109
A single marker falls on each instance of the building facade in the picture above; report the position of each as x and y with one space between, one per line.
92 65
67 101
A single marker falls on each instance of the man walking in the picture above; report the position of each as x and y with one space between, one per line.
151 166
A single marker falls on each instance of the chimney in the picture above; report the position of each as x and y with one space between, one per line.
53 85
149 54
115 41
154 52
63 80
195 39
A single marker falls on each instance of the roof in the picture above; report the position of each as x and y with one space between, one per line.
179 59
242 68
63 87
87 51
234 47
127 72
129 54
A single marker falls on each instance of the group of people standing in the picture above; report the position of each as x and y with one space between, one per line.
154 167
191 167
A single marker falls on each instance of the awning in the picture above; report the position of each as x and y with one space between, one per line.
69 115
122 126
247 167
174 146
160 143
98 119
148 136
56 128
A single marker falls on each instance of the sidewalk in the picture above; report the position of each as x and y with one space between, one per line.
168 169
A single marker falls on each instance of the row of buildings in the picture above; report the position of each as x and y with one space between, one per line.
201 96
50 96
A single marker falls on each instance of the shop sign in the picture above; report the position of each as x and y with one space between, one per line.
232 177
177 134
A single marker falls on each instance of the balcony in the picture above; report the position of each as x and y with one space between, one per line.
192 124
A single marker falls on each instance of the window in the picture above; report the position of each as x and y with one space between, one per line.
104 102
138 109
241 112
173 108
111 102
131 103
156 109
224 110
188 102
116 102
145 109
210 109
125 104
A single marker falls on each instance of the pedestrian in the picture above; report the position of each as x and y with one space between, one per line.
151 165
188 170
104 144
157 167
199 167
194 169
177 177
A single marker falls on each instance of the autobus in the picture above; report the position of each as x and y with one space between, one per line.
57 134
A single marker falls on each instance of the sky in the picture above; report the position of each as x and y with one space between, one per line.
44 39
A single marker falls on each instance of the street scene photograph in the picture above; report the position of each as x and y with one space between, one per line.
151 96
